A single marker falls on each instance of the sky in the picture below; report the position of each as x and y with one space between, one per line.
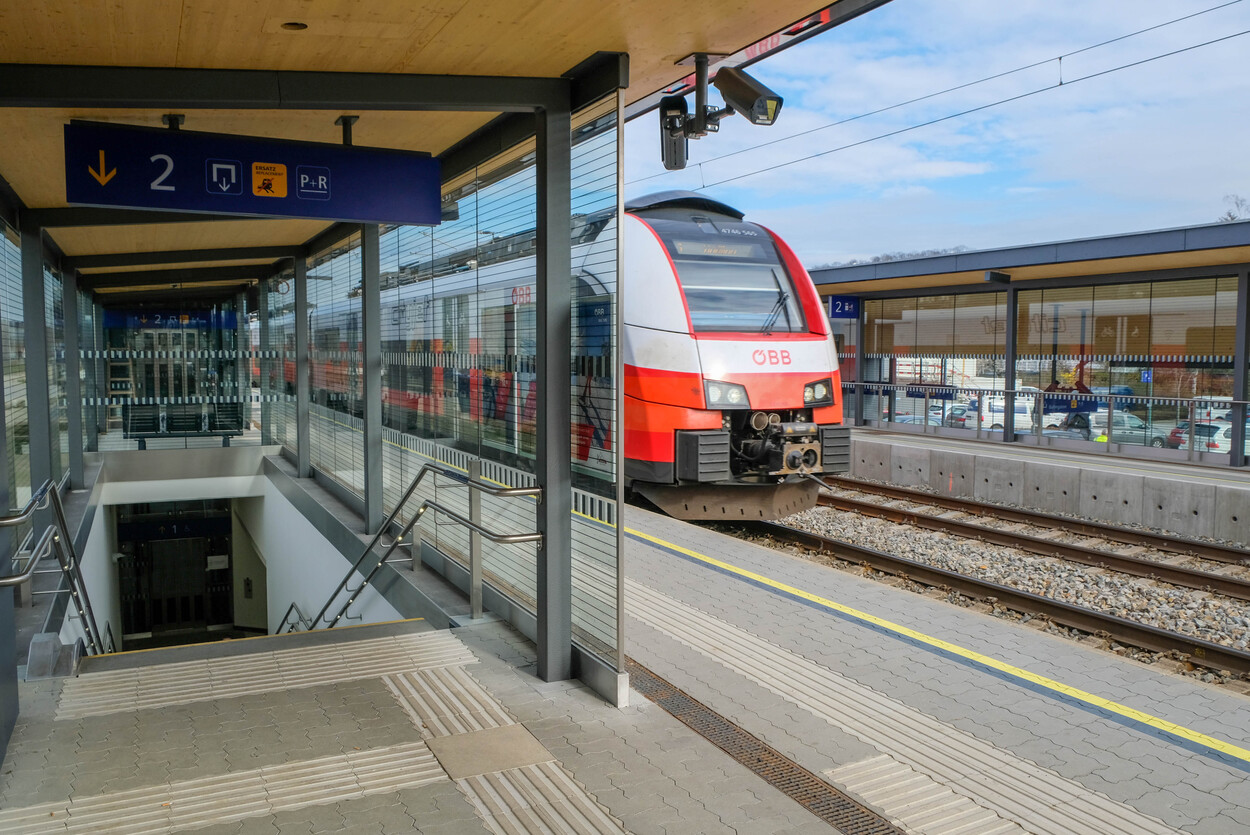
1152 146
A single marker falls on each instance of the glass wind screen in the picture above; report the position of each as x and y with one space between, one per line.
336 364
175 377
13 353
275 358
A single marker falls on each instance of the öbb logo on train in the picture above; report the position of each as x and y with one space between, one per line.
762 357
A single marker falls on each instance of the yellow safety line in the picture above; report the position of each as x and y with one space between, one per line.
251 638
1016 672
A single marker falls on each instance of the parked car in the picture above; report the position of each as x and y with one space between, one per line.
1178 438
931 420
995 409
1126 428
959 414
1221 440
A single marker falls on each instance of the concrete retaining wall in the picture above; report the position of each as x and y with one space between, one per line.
1173 504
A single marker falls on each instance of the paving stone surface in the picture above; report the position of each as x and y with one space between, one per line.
645 769
1129 763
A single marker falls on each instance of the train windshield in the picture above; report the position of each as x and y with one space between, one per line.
732 277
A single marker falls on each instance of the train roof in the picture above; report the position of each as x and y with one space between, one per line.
680 199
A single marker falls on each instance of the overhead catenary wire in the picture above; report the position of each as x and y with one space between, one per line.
965 85
977 109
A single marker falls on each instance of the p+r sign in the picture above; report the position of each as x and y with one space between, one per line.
186 171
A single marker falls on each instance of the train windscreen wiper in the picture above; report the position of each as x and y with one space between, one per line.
775 313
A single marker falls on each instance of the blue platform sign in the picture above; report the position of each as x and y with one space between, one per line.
170 319
185 171
843 307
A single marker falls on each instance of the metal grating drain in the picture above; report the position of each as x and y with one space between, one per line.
805 788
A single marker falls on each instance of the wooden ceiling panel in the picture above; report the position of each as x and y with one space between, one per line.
143 34
340 34
534 38
541 38
96 240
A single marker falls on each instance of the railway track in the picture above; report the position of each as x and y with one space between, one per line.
1098 557
1173 644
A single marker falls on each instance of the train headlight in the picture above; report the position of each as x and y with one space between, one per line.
725 395
819 393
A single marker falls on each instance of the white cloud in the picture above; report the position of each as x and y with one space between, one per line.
1154 146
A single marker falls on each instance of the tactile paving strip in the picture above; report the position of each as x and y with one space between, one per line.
780 772
1036 798
919 804
446 701
161 685
537 798
189 804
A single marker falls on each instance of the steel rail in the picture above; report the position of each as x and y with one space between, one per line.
1136 566
1195 650
1190 547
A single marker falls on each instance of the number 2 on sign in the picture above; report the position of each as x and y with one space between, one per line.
157 184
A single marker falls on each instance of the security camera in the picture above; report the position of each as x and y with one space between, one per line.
673 138
747 96
742 94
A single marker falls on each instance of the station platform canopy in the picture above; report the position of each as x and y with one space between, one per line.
1167 250
422 76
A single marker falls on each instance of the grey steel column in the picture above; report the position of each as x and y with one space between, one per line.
101 380
38 407
8 626
1009 375
303 382
475 542
371 336
861 330
554 367
242 364
266 365
73 386
1241 369
618 375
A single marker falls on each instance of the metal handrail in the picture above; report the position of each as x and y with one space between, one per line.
42 548
501 538
429 466
31 506
56 540
300 620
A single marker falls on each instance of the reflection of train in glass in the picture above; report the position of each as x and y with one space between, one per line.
732 390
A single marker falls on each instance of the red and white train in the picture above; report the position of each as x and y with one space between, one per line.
731 385
732 391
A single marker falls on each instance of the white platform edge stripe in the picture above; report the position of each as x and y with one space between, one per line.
544 795
233 797
1015 788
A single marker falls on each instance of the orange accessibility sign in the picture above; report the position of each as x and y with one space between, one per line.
268 179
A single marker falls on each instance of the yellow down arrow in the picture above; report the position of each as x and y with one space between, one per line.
100 176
